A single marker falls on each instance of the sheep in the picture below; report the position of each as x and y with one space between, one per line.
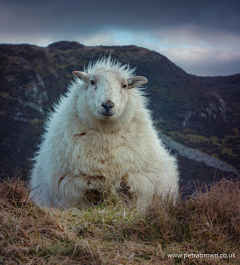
99 137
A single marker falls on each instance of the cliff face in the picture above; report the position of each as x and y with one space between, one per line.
197 112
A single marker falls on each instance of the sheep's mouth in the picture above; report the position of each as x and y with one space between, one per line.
106 114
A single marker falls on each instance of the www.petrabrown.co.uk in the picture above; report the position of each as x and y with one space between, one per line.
201 255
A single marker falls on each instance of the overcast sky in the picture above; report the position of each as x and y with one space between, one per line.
201 37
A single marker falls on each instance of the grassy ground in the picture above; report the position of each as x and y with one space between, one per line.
116 233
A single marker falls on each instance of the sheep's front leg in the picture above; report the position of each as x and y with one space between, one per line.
145 187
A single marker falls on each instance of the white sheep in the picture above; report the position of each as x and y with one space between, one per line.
100 136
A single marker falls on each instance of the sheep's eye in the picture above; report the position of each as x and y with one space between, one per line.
124 86
92 82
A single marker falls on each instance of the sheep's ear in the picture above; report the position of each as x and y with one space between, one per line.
83 76
136 81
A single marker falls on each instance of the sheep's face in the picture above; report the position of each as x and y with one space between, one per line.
107 92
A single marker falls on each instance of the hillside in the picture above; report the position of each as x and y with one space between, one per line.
226 88
188 109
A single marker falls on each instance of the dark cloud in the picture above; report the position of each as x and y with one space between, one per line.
85 16
172 23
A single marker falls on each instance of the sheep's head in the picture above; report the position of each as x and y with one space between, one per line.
107 92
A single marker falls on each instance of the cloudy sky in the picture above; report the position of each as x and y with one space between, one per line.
201 37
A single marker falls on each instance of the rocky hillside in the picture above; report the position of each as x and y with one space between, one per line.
227 89
197 112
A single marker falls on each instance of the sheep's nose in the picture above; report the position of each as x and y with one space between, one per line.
108 105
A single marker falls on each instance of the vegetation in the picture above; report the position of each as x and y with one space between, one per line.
115 232
222 148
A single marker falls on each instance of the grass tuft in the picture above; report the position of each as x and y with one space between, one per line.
116 232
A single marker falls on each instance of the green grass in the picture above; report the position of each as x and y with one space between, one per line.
115 232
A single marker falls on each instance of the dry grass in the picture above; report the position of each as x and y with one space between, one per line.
115 233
